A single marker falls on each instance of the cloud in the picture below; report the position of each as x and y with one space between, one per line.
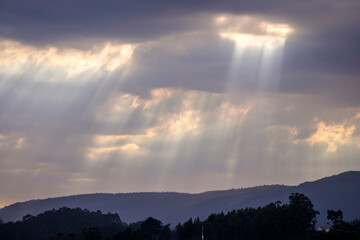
72 62
170 34
215 95
100 151
332 135
177 133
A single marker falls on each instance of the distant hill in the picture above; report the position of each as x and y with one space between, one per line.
336 192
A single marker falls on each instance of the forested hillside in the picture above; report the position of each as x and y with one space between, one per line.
336 192
294 220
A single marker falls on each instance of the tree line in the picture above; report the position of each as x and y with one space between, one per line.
294 220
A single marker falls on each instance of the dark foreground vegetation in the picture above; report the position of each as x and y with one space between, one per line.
295 220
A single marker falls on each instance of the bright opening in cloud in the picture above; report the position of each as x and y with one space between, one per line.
100 151
278 29
250 40
258 50
332 135
15 58
260 35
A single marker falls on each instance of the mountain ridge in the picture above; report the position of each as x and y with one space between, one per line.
339 191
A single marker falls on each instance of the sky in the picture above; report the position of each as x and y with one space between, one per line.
187 96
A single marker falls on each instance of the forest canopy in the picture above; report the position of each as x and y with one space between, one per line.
293 220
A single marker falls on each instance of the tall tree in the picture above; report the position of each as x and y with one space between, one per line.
302 216
335 216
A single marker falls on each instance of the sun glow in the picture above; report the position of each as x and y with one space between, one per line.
255 65
270 36
251 40
257 52
252 31
332 135
70 62
278 29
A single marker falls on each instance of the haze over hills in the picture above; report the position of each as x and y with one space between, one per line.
336 192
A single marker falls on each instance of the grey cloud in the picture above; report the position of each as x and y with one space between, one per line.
178 48
48 22
324 44
43 22
204 68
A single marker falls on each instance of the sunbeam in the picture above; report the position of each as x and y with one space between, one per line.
257 56
164 97
255 66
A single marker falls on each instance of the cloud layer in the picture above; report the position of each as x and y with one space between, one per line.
153 96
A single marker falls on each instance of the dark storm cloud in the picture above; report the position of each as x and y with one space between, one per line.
46 22
201 66
325 41
324 57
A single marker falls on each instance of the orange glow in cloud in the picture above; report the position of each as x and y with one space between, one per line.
332 135
158 95
20 142
230 111
13 141
107 57
173 124
187 121
96 151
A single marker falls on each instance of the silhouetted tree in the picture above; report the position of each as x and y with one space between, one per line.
92 233
341 230
153 229
302 214
65 220
335 216
185 231
274 221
